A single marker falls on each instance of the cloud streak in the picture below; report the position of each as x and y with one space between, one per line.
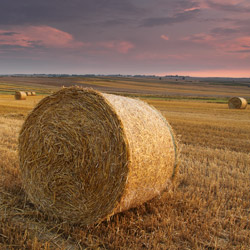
177 18
221 31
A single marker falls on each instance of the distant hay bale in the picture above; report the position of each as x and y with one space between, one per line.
237 103
86 155
20 95
28 93
33 93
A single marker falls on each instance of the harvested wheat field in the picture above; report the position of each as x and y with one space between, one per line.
208 206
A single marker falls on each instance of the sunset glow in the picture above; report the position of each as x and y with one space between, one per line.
213 73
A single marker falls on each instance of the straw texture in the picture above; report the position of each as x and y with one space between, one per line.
85 155
20 95
237 103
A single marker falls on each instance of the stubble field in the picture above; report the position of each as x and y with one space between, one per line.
207 208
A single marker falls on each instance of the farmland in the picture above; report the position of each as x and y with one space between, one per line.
208 206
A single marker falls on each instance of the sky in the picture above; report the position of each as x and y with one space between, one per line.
160 37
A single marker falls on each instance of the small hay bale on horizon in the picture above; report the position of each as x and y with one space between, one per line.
237 103
86 155
28 93
33 93
20 95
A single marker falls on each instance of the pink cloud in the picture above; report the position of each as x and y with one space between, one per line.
243 42
240 45
225 4
165 37
122 47
45 36
230 2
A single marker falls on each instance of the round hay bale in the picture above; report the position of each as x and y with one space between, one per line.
28 93
33 93
86 155
237 103
20 95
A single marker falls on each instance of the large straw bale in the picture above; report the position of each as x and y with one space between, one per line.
20 95
237 103
86 155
